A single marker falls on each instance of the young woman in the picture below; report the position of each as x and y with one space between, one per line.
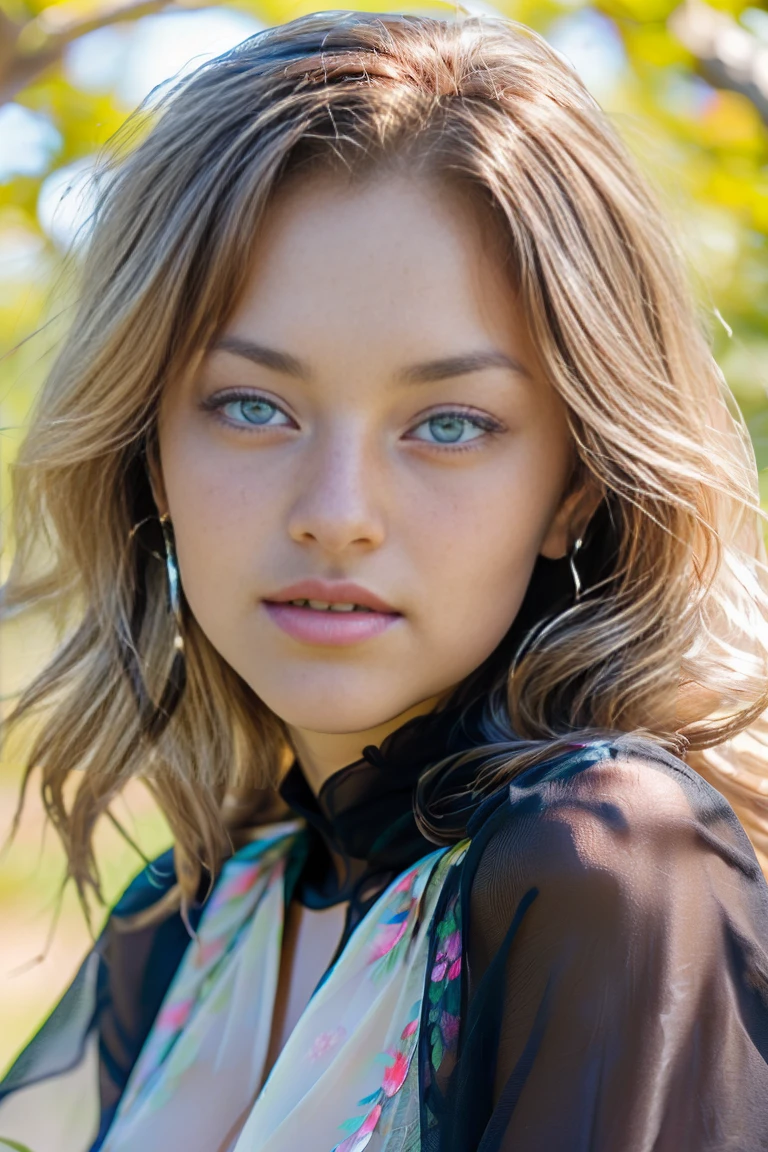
407 541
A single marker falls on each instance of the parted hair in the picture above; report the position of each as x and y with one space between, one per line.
668 644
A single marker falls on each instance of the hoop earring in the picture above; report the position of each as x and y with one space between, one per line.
576 578
173 581
154 718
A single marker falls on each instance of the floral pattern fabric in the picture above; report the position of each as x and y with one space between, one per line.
347 1071
584 972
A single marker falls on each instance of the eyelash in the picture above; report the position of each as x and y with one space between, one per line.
489 426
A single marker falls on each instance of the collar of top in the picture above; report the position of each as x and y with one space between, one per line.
364 812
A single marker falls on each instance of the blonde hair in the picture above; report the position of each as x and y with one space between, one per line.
669 646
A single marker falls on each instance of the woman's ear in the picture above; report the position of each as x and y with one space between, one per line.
155 474
571 519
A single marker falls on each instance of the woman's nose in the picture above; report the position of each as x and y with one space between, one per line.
339 501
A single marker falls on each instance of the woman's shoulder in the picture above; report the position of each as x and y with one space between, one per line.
616 815
614 920
624 782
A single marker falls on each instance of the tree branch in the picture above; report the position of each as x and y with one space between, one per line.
727 54
28 50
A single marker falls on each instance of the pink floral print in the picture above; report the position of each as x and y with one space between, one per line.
395 1075
326 1042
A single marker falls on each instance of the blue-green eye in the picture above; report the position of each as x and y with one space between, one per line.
450 428
253 410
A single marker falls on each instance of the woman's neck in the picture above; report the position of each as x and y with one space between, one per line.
323 753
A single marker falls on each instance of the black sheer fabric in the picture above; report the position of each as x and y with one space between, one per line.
614 978
363 816
129 971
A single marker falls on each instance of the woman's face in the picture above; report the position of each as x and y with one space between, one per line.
374 414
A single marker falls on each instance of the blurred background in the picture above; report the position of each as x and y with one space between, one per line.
687 86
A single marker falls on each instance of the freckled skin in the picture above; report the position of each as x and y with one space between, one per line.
348 480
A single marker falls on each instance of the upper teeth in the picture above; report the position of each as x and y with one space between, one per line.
326 605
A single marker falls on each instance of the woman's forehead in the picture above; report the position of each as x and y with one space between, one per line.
396 261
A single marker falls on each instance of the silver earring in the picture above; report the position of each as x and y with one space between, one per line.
154 716
174 581
576 578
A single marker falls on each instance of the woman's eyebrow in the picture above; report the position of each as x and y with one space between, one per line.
425 373
449 366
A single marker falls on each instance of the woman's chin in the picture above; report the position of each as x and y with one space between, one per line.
343 710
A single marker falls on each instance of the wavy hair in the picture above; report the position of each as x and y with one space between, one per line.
669 642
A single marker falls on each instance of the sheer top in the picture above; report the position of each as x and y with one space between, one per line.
584 970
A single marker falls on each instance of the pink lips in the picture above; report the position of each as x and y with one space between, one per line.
324 626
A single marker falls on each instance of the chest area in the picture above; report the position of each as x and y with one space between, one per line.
342 1060
247 1028
309 942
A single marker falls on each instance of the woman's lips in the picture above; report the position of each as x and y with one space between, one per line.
323 626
